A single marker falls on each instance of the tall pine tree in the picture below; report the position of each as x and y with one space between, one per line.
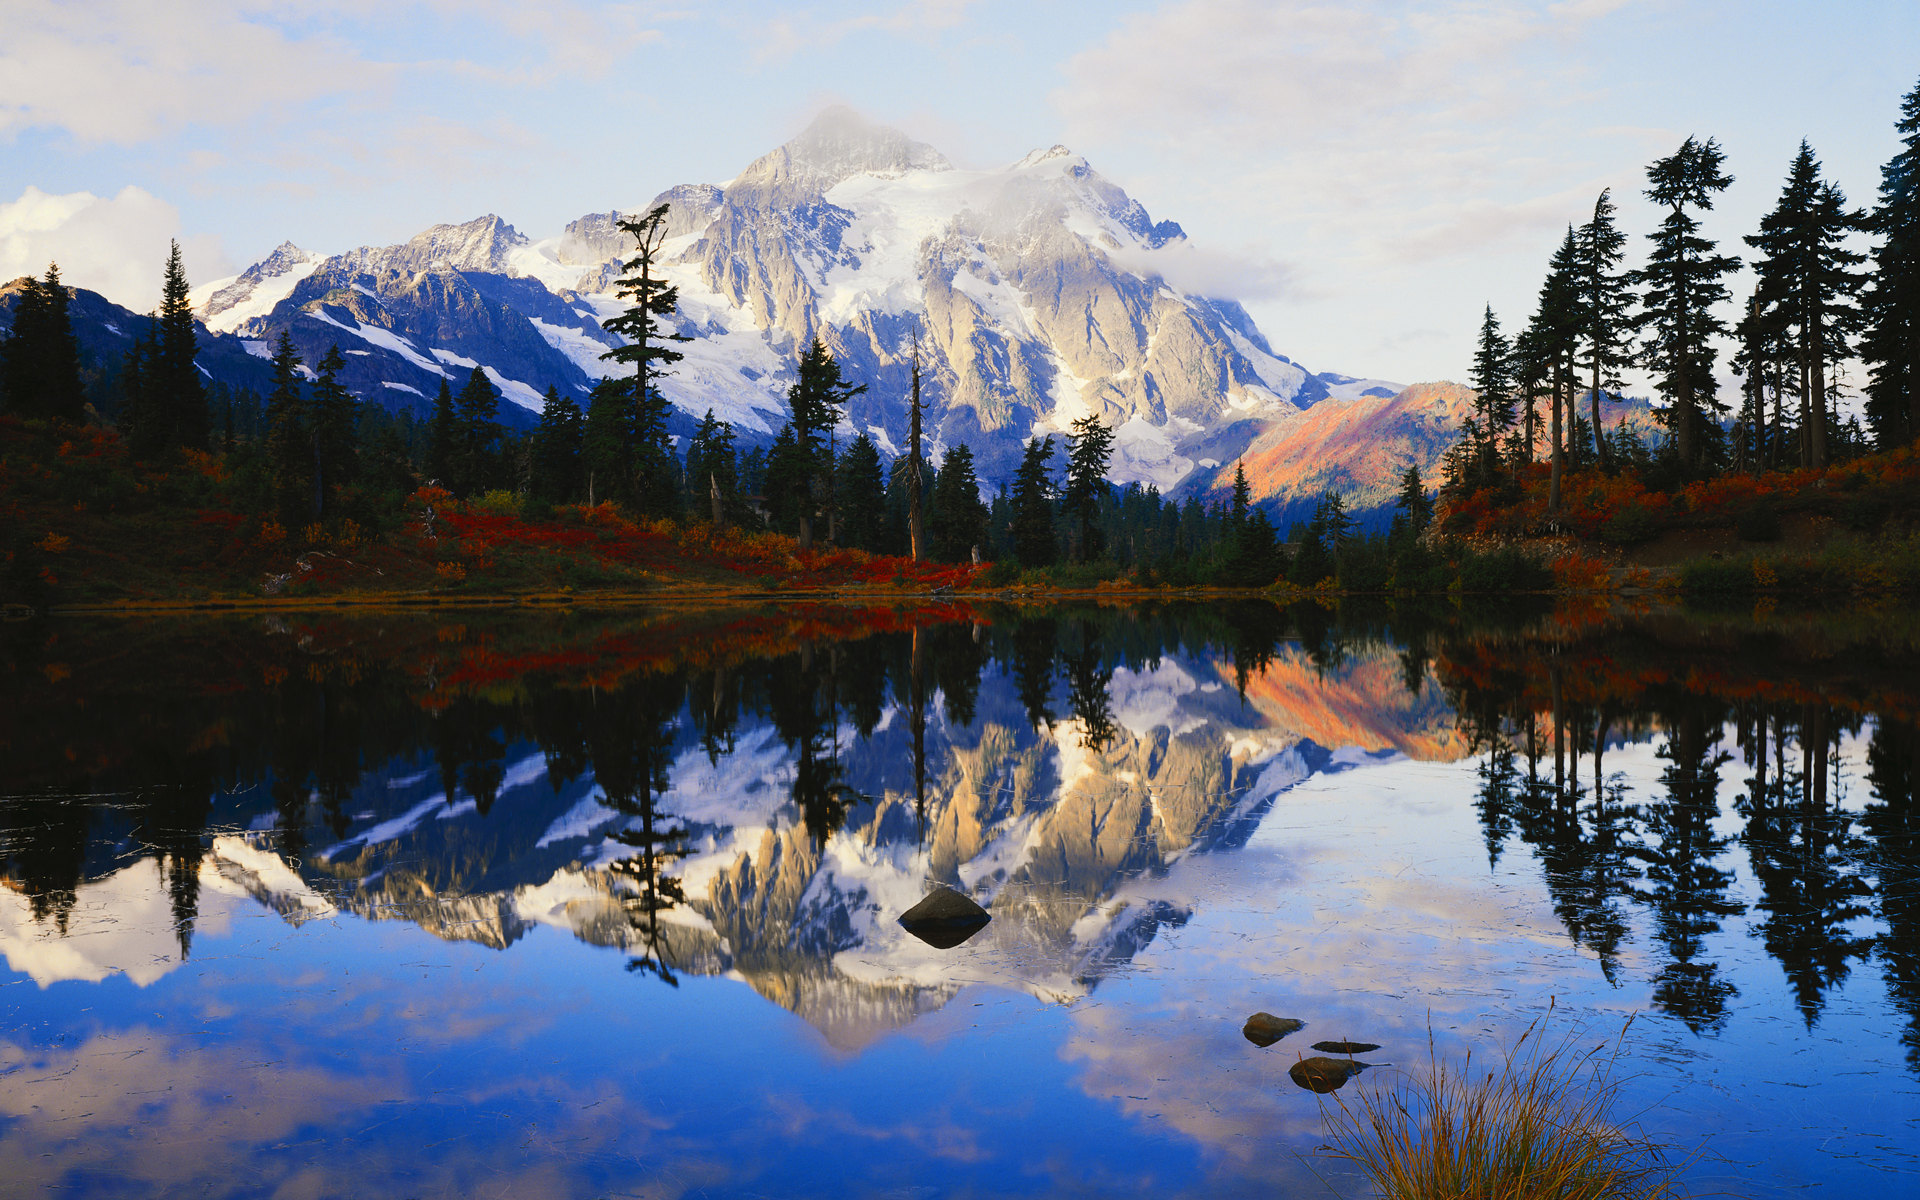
1891 347
1804 281
442 438
1493 385
713 472
476 436
555 452
335 423
289 438
816 398
1762 353
916 463
959 516
652 472
1605 313
172 377
1682 282
1033 540
1089 445
861 493
40 360
1551 341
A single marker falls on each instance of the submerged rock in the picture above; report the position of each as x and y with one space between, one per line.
1264 1029
945 918
1345 1047
1324 1074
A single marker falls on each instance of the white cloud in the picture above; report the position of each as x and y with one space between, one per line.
784 37
1247 274
123 71
128 71
1395 154
1382 127
116 247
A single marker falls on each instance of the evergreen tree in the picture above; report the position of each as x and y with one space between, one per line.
442 440
784 484
1242 499
607 442
1033 541
1253 556
815 399
916 463
476 436
1493 384
385 463
61 397
137 420
20 353
1682 282
1891 347
958 523
649 471
555 453
1605 301
40 360
1313 561
862 495
1089 445
1805 282
1551 342
902 477
1413 509
1532 372
334 429
1763 349
173 378
655 469
289 439
713 474
1333 517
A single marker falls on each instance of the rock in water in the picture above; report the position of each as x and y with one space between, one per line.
1324 1074
945 918
1345 1047
1264 1029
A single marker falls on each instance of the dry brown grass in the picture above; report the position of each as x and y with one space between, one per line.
1539 1127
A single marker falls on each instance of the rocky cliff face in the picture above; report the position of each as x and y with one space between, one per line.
1031 293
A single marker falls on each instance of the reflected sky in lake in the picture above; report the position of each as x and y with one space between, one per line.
579 906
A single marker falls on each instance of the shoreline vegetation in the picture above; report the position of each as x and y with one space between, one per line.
95 530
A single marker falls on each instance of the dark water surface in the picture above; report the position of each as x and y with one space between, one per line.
578 905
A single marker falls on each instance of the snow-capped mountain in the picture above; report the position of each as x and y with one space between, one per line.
1037 293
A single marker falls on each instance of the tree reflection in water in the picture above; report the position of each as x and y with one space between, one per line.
296 732
1891 825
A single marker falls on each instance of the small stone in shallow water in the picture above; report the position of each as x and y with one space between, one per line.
945 918
1264 1029
1345 1047
1324 1074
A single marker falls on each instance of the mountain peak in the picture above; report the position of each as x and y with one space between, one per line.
285 257
482 244
1035 157
841 138
838 145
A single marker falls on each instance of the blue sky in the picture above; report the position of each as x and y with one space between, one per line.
1382 170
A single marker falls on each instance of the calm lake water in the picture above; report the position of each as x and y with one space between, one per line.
605 905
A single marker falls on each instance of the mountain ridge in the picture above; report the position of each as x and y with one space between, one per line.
1031 291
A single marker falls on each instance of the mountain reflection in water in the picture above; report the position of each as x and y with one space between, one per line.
758 796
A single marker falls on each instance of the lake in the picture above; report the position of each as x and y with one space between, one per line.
448 904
